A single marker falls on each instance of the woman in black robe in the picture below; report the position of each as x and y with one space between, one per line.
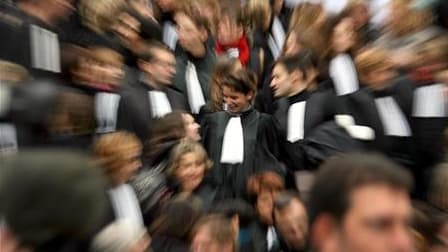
240 141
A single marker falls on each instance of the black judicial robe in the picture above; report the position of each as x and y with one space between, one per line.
260 150
361 105
204 68
320 107
134 109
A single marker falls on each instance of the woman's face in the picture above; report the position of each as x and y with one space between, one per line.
236 102
265 205
191 128
344 36
190 171
131 165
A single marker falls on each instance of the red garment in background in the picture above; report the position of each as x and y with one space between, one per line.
242 47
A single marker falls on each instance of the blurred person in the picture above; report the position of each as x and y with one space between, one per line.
121 236
222 67
359 11
211 10
153 95
242 216
213 233
370 210
173 223
291 221
167 9
300 107
118 155
341 68
231 40
64 195
308 15
151 184
407 29
10 75
32 36
195 56
263 188
384 104
240 141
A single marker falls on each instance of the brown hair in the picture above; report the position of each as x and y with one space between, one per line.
109 150
370 60
304 16
242 81
168 128
184 147
223 66
99 15
220 229
265 181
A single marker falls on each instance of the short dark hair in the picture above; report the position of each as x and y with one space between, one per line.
302 62
341 175
242 81
51 194
146 52
232 207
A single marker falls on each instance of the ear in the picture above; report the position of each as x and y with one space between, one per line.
324 233
203 34
296 76
235 223
250 95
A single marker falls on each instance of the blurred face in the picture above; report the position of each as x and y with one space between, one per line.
344 36
203 242
378 220
236 102
281 83
131 161
360 16
190 171
162 67
228 31
191 128
265 204
190 35
291 45
103 72
292 224
381 77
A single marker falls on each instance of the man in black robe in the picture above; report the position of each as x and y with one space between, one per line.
153 96
299 110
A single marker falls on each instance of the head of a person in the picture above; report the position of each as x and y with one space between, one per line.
100 15
308 15
102 66
375 68
224 66
213 233
118 154
192 27
238 90
167 6
52 10
188 164
342 34
63 193
157 61
263 188
361 202
405 19
291 219
230 26
177 217
211 11
358 10
292 74
259 14
127 28
121 236
238 211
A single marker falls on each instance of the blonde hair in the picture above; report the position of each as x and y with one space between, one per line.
258 12
110 150
100 15
184 147
408 20
304 16
12 72
370 60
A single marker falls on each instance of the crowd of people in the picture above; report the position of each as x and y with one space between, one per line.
224 125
